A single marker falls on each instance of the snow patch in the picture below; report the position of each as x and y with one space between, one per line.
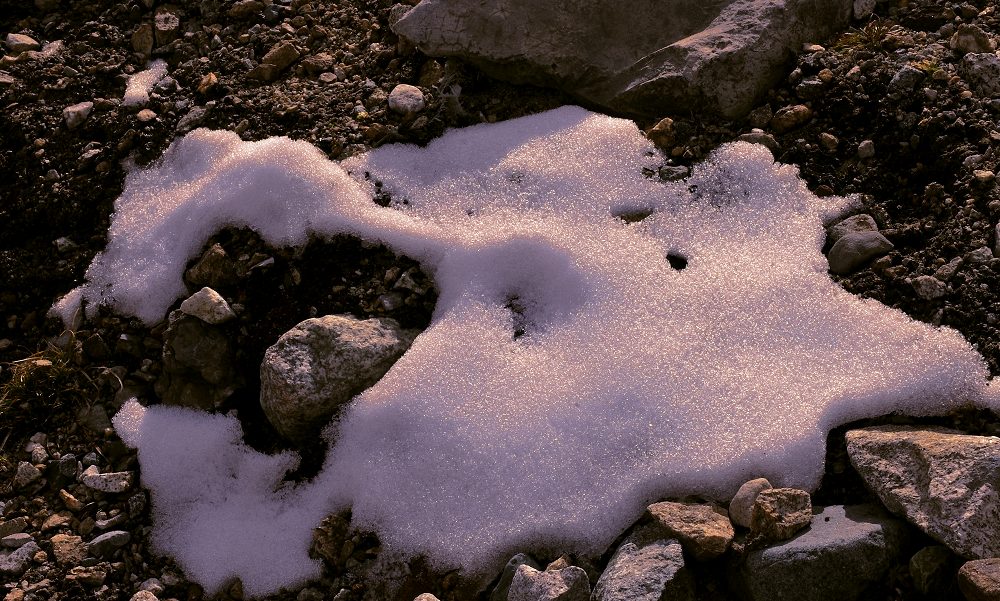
139 85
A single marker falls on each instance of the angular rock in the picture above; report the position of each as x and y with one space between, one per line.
166 25
111 482
929 287
144 596
906 78
109 542
406 99
15 541
970 38
980 580
198 364
763 138
653 58
703 530
741 506
281 56
15 563
68 549
852 225
845 550
26 474
778 513
502 589
567 584
142 39
982 71
648 573
662 134
863 9
76 114
855 249
18 42
88 576
320 364
944 482
214 269
208 306
426 597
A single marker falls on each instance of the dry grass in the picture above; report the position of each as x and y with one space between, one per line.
871 37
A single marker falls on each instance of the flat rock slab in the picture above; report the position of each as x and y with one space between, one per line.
646 57
844 551
943 481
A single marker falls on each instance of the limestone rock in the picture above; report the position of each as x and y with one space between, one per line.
980 580
944 482
646 573
198 364
567 584
741 506
705 531
845 550
855 249
778 513
320 364
654 58
208 306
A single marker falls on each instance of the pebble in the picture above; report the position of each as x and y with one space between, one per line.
855 249
984 176
779 513
69 549
107 543
26 474
970 38
741 506
406 99
764 139
144 596
76 114
929 287
790 118
979 580
18 42
15 541
145 116
208 306
17 562
113 482
866 149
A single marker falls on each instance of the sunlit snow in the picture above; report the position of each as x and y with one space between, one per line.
633 381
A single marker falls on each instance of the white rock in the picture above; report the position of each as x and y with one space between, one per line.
76 114
113 482
208 306
741 507
406 99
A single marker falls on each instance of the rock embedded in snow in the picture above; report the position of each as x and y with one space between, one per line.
979 580
655 58
943 481
320 364
741 505
567 584
502 588
970 38
854 249
208 306
76 114
845 551
406 99
650 572
214 269
852 225
18 42
779 513
703 530
763 138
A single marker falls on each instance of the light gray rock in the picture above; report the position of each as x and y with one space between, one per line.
426 597
198 364
567 584
113 482
851 225
18 42
406 99
15 563
763 138
109 542
650 572
741 506
982 71
655 57
778 513
944 482
866 149
855 249
320 364
76 114
844 551
703 530
502 589
970 38
906 78
929 287
208 306
980 580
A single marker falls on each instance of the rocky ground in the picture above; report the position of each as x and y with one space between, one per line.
889 110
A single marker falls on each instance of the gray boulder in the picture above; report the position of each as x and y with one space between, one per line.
320 364
649 57
567 584
844 551
646 573
944 482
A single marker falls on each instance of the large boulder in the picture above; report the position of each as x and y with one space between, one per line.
845 551
646 57
320 364
945 482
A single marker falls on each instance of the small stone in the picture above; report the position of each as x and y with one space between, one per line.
929 287
215 269
17 562
208 306
862 9
18 42
948 270
760 117
192 119
906 78
145 116
153 585
144 596
567 584
76 114
790 117
855 249
984 176
406 99
109 542
246 8
970 38
851 225
662 134
866 149
17 524
980 580
981 255
166 26
68 549
982 71
16 541
142 39
208 83
703 530
828 141
26 474
763 138
112 482
88 576
281 56
426 597
56 521
741 506
779 513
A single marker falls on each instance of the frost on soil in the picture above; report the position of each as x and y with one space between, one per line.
633 381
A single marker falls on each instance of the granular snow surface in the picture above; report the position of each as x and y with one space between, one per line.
633 381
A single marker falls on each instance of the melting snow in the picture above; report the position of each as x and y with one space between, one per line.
633 381
139 85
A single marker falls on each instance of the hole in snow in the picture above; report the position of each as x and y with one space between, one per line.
677 261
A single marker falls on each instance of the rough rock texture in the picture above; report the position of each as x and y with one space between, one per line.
941 480
741 506
705 531
198 364
845 550
854 249
320 364
982 70
980 580
778 513
208 306
567 584
650 59
646 573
